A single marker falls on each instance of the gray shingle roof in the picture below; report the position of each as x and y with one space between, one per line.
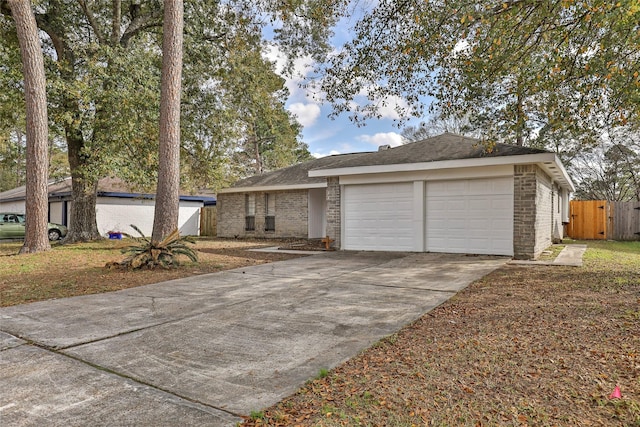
298 174
63 187
447 146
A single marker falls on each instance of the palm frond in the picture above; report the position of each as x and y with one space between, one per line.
147 253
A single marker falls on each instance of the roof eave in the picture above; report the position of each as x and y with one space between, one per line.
548 161
558 172
279 187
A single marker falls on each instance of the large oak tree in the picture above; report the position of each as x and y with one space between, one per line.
104 68
524 71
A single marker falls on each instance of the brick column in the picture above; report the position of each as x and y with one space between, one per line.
333 211
524 211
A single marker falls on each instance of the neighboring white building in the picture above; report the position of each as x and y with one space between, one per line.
116 207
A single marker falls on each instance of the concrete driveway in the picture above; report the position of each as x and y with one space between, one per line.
205 349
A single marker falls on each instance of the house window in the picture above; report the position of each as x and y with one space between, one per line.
250 212
269 212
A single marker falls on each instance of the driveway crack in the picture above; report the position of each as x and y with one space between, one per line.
133 379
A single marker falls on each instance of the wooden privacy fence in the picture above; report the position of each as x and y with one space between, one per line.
208 221
600 220
625 218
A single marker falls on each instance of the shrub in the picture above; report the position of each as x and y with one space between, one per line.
148 253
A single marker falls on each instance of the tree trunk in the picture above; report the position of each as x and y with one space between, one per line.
82 219
520 119
37 198
258 157
168 192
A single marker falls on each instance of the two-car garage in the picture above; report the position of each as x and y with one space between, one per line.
458 216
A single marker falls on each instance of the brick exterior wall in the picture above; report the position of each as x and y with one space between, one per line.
524 211
230 214
291 215
557 228
334 218
534 222
544 212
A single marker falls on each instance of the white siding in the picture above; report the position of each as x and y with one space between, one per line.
16 207
115 214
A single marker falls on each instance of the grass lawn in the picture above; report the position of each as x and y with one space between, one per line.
525 346
78 269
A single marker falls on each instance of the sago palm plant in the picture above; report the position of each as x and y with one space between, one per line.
147 253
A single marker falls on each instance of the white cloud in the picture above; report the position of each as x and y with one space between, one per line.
463 46
389 105
307 114
385 138
302 68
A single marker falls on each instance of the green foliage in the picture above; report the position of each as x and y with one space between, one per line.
148 253
244 128
103 79
529 71
610 170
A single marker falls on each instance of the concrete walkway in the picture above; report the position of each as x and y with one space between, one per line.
570 255
206 349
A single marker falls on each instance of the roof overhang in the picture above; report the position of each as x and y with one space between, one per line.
266 188
549 162
114 194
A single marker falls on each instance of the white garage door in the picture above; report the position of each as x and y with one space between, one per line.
470 216
378 217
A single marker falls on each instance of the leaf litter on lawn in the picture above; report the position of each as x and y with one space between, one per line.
524 346
79 269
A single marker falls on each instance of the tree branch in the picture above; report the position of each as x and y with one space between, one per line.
115 21
59 43
140 23
92 20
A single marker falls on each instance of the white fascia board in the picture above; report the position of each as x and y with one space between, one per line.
267 188
557 171
430 175
543 159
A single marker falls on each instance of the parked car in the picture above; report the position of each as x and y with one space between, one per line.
12 227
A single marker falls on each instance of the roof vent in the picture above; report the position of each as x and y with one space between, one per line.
384 147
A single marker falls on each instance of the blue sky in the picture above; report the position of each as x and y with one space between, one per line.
324 135
338 135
